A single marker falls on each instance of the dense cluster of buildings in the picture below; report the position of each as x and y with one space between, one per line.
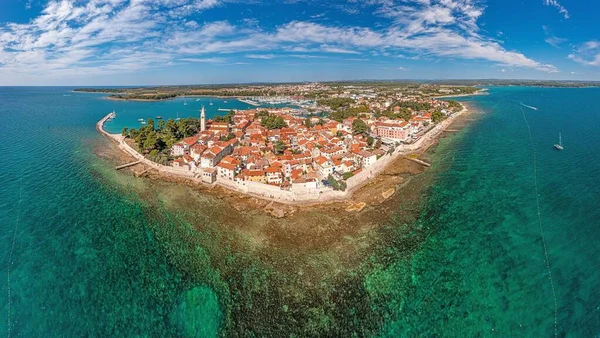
302 153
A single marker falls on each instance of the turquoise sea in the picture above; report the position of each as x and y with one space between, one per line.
87 251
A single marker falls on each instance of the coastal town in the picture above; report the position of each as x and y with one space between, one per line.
274 151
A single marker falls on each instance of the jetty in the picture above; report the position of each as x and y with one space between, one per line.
416 160
126 165
224 109
247 101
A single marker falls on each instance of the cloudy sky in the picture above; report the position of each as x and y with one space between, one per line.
145 42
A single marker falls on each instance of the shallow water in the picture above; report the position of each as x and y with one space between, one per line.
88 251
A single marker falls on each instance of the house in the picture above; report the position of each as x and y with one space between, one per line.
179 163
178 149
305 183
221 128
323 166
392 129
365 158
253 176
274 175
196 151
209 175
226 171
211 157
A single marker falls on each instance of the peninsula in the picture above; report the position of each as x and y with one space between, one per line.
292 155
306 90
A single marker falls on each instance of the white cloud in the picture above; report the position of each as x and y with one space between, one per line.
261 56
74 37
551 39
203 60
562 10
587 54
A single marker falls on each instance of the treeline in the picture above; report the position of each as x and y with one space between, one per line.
225 118
99 90
146 96
271 121
417 106
156 140
454 105
342 114
404 114
335 102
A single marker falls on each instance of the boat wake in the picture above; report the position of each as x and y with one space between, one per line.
530 107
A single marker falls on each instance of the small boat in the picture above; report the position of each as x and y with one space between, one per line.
224 101
177 118
197 100
159 117
140 120
211 103
143 122
559 145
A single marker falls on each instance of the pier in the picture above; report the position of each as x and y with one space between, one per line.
416 160
252 103
126 165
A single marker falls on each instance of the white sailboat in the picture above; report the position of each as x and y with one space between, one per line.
177 118
559 145
211 103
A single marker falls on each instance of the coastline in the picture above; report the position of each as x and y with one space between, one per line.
158 100
483 91
409 152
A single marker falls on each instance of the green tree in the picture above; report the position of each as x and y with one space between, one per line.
150 124
150 141
273 122
370 141
161 124
125 132
359 127
437 116
279 147
335 102
348 175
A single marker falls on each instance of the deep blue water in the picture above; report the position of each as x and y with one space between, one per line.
81 256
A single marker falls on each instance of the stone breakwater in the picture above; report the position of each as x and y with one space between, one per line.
297 195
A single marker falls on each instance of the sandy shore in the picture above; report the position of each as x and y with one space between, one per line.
401 159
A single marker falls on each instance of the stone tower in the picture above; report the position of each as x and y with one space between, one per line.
202 120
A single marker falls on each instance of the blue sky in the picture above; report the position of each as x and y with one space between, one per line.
145 42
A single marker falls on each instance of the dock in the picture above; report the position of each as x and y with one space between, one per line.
416 160
224 109
451 130
126 165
